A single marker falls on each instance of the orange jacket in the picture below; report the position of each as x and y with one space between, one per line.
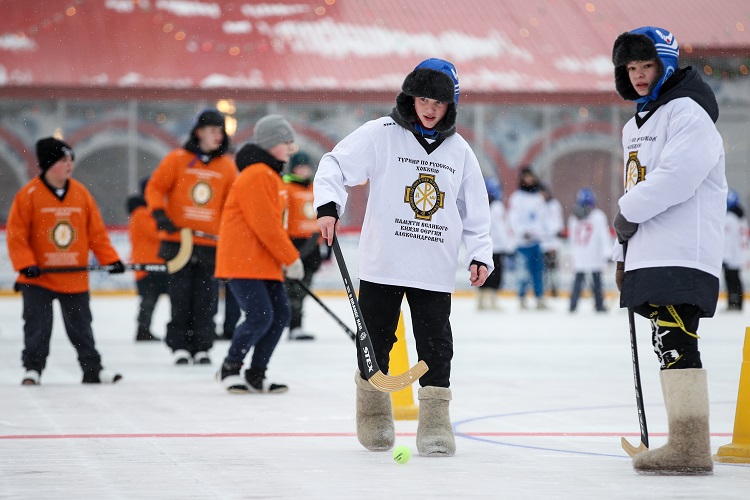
45 231
253 243
191 192
303 221
144 240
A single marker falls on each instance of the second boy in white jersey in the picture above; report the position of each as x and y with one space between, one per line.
426 198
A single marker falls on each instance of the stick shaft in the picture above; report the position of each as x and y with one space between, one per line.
365 350
309 292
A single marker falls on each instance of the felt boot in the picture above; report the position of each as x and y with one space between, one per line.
688 448
375 428
434 431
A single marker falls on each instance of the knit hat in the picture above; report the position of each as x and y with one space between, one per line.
49 150
300 158
208 117
272 130
435 79
644 44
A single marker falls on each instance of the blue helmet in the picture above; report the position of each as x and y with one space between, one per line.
494 188
733 199
586 197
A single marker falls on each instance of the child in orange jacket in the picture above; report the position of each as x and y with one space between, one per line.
188 189
144 244
53 223
255 253
303 229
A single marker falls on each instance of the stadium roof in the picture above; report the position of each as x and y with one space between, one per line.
335 48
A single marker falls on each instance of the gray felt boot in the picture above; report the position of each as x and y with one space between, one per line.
688 448
375 428
434 431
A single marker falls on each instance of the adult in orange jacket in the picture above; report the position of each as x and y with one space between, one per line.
188 189
53 223
144 244
303 229
255 252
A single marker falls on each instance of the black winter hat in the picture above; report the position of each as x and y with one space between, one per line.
630 47
49 150
209 117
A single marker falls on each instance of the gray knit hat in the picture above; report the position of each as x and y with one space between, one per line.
272 130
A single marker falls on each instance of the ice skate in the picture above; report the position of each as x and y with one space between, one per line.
434 431
256 383
688 448
375 428
101 377
144 335
31 377
229 376
299 334
181 357
201 358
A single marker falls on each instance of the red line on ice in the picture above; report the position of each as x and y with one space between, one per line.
325 434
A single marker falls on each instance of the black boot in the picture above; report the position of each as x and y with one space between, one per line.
229 376
255 380
145 335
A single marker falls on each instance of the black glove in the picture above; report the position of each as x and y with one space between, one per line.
624 228
163 222
117 268
620 275
31 271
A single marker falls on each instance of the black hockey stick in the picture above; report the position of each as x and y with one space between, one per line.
309 292
643 446
171 266
152 268
365 350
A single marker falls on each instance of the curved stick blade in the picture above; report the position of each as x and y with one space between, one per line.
185 252
394 383
632 450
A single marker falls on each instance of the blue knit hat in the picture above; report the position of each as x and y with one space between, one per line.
644 44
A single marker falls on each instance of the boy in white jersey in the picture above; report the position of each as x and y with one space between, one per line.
426 198
590 247
670 230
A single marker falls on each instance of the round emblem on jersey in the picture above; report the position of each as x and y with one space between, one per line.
202 193
63 235
634 171
424 197
308 210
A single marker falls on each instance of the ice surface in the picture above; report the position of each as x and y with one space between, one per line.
541 399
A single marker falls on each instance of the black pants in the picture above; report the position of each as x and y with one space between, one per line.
37 328
495 279
297 295
596 290
430 314
150 288
232 312
194 293
311 260
734 288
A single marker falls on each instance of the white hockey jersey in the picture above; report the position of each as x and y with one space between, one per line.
590 241
735 241
420 206
675 189
500 232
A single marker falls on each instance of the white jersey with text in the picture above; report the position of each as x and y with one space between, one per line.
675 189
421 206
590 241
735 241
